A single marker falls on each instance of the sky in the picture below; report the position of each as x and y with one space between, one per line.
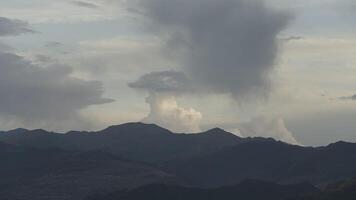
273 68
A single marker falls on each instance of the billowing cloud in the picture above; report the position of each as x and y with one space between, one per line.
165 111
32 94
163 87
225 46
10 27
268 127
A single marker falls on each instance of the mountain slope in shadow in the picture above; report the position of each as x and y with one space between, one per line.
343 190
269 160
211 159
136 141
247 190
54 174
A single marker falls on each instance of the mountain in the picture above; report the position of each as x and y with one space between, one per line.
28 173
268 160
214 158
246 190
15 131
343 190
135 141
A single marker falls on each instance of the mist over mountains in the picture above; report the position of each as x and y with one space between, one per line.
79 165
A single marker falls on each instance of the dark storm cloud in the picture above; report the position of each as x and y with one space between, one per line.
10 27
31 92
226 46
165 81
84 4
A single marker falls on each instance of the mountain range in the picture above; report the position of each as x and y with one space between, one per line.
248 190
136 158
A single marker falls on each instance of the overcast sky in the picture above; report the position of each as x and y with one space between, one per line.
276 68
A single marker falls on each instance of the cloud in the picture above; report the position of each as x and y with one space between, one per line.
53 44
225 46
268 127
39 94
325 126
349 98
164 81
165 111
163 88
84 4
43 58
10 27
5 47
292 38
121 56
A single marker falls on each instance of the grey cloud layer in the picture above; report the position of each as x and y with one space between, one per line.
84 4
9 27
30 92
165 81
226 46
41 94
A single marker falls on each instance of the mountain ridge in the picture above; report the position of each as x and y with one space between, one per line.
137 141
248 189
212 158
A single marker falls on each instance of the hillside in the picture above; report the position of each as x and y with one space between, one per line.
269 160
247 190
135 141
54 174
137 154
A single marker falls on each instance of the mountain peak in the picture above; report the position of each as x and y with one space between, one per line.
136 127
216 129
340 144
18 131
219 132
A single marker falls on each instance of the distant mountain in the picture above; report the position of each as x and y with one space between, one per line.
136 141
269 160
247 190
54 174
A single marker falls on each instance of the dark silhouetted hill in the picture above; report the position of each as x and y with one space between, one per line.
136 141
269 160
247 190
214 158
343 190
53 174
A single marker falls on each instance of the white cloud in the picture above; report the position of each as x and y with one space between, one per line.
166 112
268 127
